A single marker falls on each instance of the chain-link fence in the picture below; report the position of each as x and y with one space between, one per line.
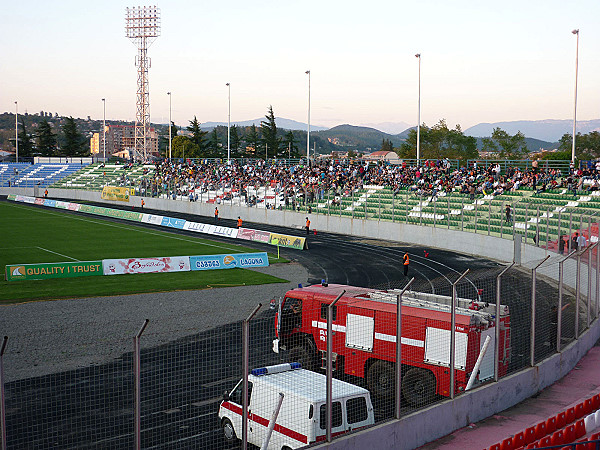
211 388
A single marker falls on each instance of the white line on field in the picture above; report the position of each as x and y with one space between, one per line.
135 228
56 253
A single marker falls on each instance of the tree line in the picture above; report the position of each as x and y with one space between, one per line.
45 142
265 141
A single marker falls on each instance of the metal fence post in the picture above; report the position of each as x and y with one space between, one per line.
577 293
547 226
589 284
489 216
329 356
393 206
420 209
462 213
537 228
137 368
434 212
532 326
2 397
503 211
497 349
476 210
448 216
399 348
560 301
245 371
453 334
406 216
379 205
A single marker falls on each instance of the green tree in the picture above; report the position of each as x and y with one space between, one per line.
439 142
214 144
234 141
184 147
587 146
386 145
198 137
268 129
507 146
289 147
46 139
25 142
253 139
73 140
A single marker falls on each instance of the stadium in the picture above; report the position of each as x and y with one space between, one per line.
144 356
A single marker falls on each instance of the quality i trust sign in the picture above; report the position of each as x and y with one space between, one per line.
53 270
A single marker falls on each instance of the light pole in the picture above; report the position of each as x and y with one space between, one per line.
16 132
228 121
418 56
104 129
308 130
576 32
170 140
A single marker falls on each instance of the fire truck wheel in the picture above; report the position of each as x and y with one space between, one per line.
418 386
380 378
303 356
228 430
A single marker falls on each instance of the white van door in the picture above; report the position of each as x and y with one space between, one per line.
338 420
359 412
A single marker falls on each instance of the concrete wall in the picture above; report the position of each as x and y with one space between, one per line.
432 423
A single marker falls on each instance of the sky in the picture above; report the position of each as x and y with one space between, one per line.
481 61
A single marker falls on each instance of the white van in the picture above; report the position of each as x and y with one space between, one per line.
302 417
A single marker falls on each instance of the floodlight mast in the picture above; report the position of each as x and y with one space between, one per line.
142 26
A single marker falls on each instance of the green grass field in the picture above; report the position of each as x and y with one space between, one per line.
35 235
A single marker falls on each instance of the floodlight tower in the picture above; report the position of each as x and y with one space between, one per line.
142 26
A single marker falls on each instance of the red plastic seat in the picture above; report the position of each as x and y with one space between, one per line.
569 434
571 416
558 438
588 406
532 445
561 420
540 430
551 425
506 444
595 437
580 429
596 402
519 440
546 441
579 410
495 447
529 435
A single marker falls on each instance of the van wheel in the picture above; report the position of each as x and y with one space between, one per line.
285 447
418 386
228 430
303 356
380 378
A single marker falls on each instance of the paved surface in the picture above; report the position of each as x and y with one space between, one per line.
579 384
69 362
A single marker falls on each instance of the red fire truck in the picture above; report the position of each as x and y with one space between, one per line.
364 337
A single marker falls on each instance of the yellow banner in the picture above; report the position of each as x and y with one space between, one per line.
287 241
117 193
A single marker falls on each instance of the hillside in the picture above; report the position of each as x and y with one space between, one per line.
347 137
547 130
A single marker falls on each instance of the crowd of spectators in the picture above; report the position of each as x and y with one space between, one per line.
177 178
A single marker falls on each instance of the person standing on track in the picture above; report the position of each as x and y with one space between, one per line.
239 222
307 226
406 262
216 214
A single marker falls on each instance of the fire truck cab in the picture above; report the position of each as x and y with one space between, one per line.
364 337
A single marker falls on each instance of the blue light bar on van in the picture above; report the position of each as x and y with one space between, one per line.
269 370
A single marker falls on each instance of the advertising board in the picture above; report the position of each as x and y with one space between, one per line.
284 240
229 261
146 265
254 235
44 271
153 219
120 194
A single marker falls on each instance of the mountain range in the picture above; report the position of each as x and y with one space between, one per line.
286 124
546 130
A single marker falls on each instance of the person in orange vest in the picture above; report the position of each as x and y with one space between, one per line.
46 193
143 203
406 263
239 222
216 214
307 225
